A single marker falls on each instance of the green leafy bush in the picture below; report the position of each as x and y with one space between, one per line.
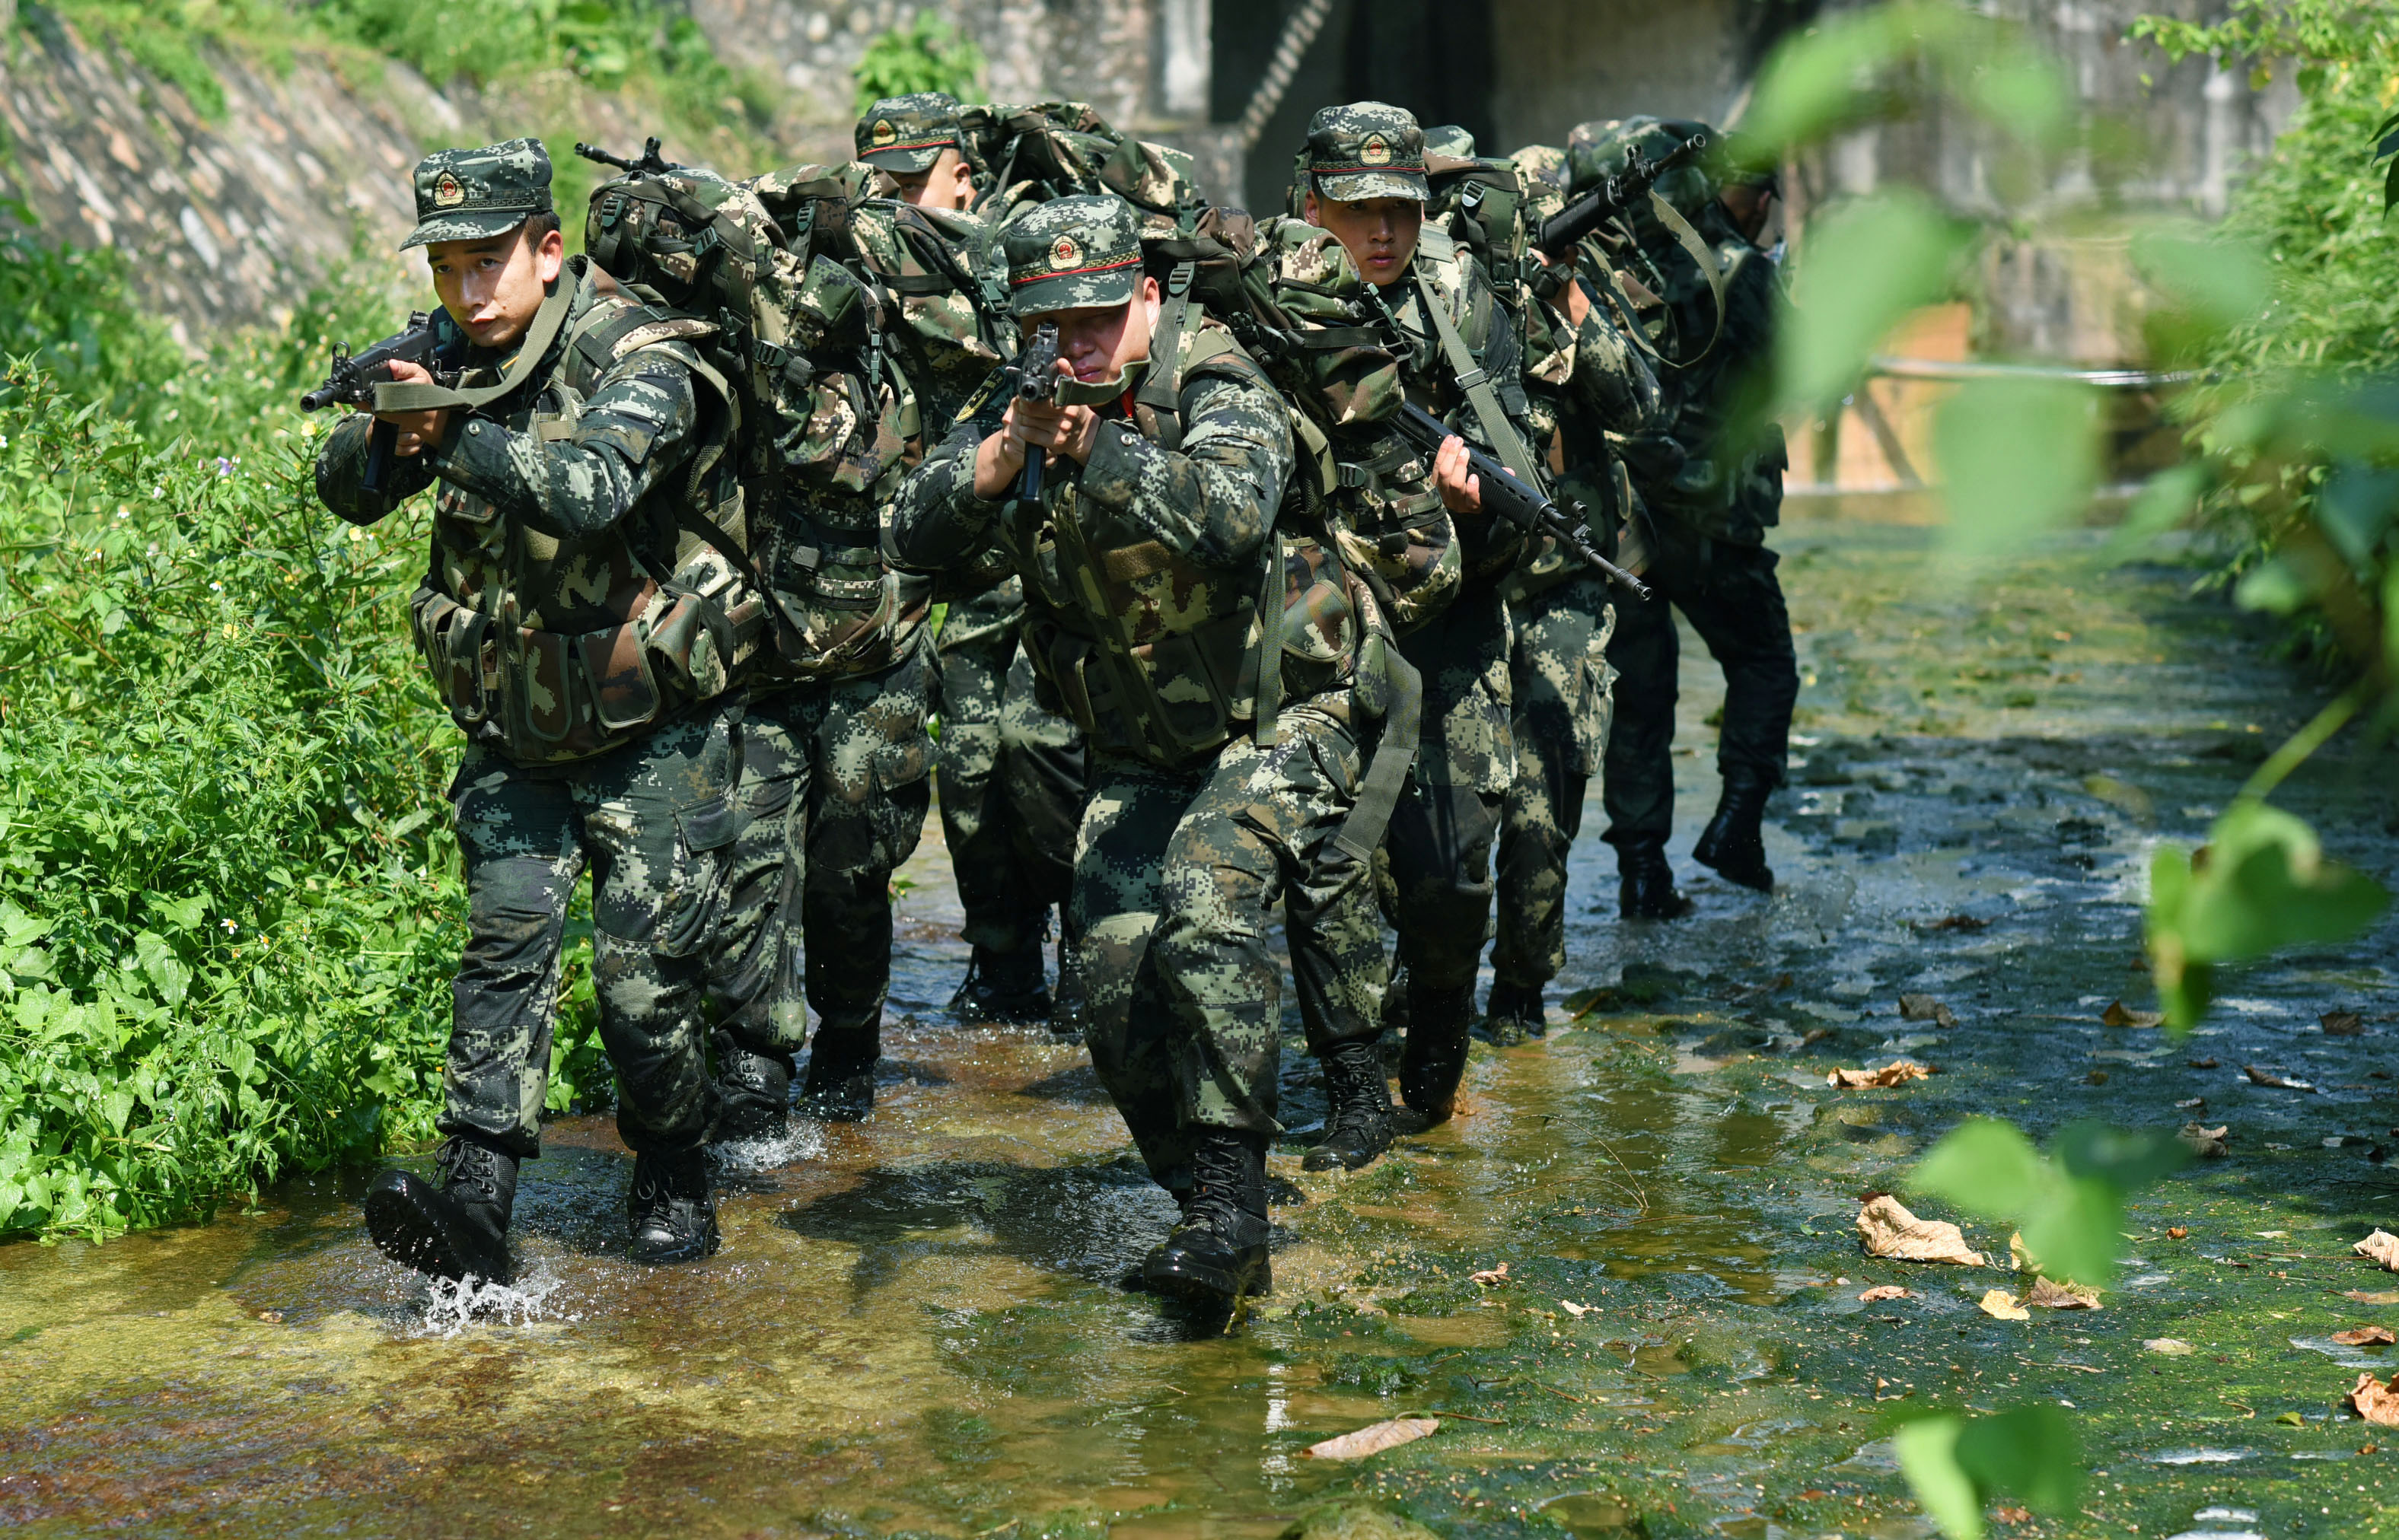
930 56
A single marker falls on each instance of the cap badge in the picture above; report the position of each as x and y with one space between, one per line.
881 134
1065 253
447 194
1377 151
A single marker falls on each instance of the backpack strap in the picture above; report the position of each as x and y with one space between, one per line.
1477 386
1700 252
1267 700
395 396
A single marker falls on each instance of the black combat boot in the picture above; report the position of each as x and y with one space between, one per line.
1004 988
1516 1014
1731 843
1647 888
1434 1058
669 1209
1358 1110
840 1087
754 1094
456 1230
1217 1254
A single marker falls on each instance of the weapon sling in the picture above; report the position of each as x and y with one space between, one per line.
395 396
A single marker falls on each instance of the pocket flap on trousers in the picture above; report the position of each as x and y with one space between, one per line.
708 825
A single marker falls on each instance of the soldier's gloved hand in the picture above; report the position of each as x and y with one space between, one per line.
1461 490
418 431
1577 301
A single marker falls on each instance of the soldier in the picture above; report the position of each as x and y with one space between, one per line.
835 777
1583 385
914 139
1011 774
1223 766
1711 501
590 677
1416 521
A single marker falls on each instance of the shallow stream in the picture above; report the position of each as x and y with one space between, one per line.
916 1325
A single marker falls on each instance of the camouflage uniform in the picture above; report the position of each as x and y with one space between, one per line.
1143 571
1709 506
594 695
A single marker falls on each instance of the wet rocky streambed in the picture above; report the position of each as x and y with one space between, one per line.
916 1325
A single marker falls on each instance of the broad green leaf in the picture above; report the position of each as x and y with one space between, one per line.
2170 497
2130 1158
1926 1449
2273 586
2029 1454
2000 488
2211 281
185 913
166 973
1869 264
1984 1167
2072 1233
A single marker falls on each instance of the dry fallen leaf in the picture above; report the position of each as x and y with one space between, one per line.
2177 1232
1887 1229
2383 1247
2372 1296
1899 1071
2341 1023
2208 1063
1578 1311
1374 1438
2365 1336
1923 1008
2196 1104
1999 1303
2173 1347
2116 1015
2260 1075
1885 1291
2206 1143
2050 1294
1491 1275
2012 1516
2375 1401
1948 922
272 1317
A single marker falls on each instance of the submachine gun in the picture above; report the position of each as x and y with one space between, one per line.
1035 375
352 378
1618 192
1521 506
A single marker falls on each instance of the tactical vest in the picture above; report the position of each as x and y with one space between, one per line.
1158 657
553 649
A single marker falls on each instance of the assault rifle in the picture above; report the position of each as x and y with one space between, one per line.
1618 192
352 379
1035 373
1512 500
651 161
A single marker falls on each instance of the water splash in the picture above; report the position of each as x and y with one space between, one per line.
451 1307
805 1142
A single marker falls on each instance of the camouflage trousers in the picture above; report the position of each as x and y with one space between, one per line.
1011 774
1437 891
1729 594
1175 877
653 820
1562 690
832 796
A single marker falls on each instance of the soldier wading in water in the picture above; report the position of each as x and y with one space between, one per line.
589 673
1212 664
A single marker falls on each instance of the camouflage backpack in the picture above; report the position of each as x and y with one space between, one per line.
1025 155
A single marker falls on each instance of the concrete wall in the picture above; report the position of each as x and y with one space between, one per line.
1560 64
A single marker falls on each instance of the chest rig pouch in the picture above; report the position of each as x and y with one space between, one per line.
555 650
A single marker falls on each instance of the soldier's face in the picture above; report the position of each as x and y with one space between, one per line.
948 183
493 288
1378 232
1099 341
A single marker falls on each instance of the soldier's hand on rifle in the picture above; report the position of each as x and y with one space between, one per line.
1577 301
1461 490
418 429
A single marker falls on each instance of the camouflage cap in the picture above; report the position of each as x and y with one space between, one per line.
474 195
1451 141
908 133
1366 150
1073 252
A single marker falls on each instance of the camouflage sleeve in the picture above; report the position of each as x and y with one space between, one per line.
1610 376
1748 337
635 428
341 463
1214 499
938 524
